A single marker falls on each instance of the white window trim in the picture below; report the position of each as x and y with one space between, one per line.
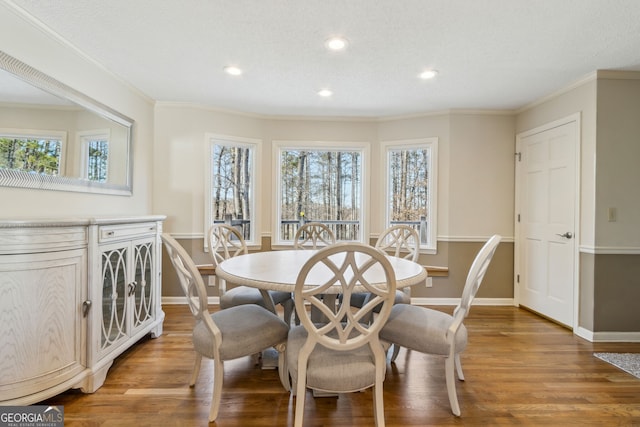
362 147
40 133
408 144
211 139
86 136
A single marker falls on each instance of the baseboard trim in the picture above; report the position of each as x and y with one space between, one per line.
456 301
607 336
183 300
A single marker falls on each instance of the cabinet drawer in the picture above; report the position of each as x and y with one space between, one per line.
110 233
41 239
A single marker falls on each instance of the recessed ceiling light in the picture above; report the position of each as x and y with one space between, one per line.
232 70
336 43
428 74
325 93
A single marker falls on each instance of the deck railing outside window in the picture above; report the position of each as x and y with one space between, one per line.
343 230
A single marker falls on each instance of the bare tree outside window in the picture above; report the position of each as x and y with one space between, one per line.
98 160
231 167
409 189
323 186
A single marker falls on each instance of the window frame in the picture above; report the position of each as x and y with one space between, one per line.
365 182
211 140
85 137
432 189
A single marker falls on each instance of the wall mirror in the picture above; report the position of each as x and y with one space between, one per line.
53 137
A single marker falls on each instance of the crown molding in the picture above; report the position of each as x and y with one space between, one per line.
578 83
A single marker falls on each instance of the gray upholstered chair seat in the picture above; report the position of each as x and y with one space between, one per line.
358 299
422 329
332 370
240 336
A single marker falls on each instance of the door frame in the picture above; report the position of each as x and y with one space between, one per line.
576 117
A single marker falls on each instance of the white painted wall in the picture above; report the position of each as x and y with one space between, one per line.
25 40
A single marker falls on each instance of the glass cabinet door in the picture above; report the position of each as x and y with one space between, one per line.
114 294
142 303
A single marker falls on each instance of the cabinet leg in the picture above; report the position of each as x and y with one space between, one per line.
95 380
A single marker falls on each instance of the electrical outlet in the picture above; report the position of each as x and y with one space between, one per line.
613 215
429 282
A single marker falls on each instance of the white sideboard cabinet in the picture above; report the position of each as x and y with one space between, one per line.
74 295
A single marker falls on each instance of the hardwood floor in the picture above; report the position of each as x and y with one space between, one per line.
520 370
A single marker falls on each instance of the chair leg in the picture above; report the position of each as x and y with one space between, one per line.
218 377
301 389
300 395
256 358
289 308
459 368
396 350
196 370
451 384
296 318
378 405
283 371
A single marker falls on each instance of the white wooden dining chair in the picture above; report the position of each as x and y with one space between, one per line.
225 242
313 235
435 332
401 241
344 354
227 334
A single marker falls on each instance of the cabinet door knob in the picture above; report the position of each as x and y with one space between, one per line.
86 306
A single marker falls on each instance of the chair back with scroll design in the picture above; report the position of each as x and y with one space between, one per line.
402 240
344 354
225 242
313 235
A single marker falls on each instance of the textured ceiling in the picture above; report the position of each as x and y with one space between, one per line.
491 54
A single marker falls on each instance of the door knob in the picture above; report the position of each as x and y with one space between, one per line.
567 235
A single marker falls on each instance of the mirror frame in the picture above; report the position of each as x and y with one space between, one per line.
11 178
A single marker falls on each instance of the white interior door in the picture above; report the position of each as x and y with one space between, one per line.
546 198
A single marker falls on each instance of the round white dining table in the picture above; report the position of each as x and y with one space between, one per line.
278 271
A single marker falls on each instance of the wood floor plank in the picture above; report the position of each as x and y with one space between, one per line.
520 369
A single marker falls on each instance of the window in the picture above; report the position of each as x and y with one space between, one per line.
411 187
39 152
322 185
95 154
230 185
